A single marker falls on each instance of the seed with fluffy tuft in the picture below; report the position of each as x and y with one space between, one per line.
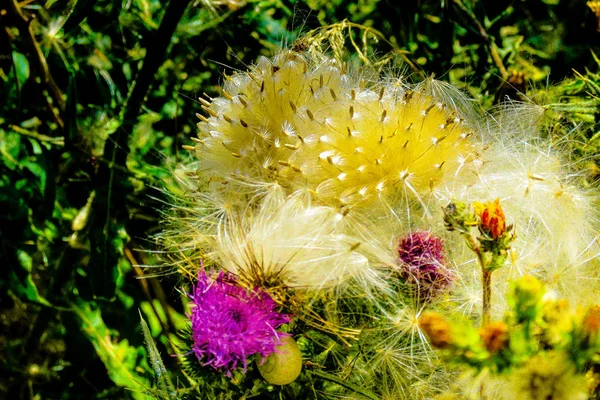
287 242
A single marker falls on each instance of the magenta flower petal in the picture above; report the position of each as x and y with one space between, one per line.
424 263
230 324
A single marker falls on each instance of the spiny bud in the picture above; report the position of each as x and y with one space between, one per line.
591 322
424 264
526 298
492 220
458 217
284 365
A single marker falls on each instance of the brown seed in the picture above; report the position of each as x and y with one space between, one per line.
333 95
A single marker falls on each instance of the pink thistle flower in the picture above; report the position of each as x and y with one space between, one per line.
424 264
230 324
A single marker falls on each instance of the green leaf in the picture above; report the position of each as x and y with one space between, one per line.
21 283
21 68
10 146
37 169
24 260
153 321
163 380
120 359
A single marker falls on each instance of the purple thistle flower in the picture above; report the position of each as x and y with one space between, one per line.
230 324
424 264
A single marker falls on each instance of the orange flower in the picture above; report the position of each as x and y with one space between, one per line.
591 321
437 329
493 221
495 336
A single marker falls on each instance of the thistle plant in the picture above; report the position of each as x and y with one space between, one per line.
318 184
314 192
540 190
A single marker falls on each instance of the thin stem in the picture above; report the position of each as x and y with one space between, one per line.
486 279
491 45
587 107
331 378
115 149
487 296
56 141
23 24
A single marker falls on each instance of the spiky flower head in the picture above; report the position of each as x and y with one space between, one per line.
424 263
288 243
230 324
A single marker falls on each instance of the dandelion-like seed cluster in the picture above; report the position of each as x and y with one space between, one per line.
319 127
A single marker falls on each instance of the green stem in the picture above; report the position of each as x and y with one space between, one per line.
36 55
487 296
486 279
334 379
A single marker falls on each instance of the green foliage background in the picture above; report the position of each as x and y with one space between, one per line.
100 95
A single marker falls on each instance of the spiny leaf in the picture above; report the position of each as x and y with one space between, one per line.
163 380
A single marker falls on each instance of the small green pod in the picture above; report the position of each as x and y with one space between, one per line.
283 366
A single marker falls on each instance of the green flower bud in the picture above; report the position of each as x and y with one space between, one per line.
526 298
283 366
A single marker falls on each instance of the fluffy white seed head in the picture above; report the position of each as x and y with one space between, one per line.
291 243
310 125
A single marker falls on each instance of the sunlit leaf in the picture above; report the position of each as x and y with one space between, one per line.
120 359
21 282
21 68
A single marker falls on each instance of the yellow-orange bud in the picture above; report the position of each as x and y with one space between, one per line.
591 321
493 221
437 329
494 336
